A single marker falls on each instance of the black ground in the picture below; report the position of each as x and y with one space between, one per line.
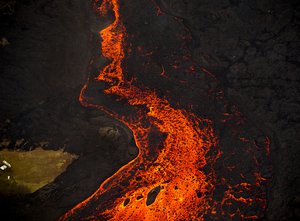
251 46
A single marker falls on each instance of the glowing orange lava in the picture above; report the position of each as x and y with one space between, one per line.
168 183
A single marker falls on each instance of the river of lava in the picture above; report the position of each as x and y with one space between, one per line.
166 182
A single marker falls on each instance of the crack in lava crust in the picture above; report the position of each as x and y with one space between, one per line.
164 182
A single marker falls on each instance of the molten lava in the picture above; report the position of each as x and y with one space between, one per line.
173 180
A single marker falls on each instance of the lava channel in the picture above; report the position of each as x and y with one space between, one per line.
167 180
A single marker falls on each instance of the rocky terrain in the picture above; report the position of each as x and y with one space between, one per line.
252 47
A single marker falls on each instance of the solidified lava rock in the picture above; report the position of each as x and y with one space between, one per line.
45 54
252 47
152 195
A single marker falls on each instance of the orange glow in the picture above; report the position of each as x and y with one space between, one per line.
174 171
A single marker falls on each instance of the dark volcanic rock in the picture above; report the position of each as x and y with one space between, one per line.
152 195
43 69
252 47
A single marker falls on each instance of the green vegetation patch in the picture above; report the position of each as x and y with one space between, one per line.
31 170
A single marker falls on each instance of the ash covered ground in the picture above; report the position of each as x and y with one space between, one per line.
252 47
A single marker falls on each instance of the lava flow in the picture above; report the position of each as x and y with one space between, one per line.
172 179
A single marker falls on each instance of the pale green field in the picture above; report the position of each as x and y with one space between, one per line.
31 170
